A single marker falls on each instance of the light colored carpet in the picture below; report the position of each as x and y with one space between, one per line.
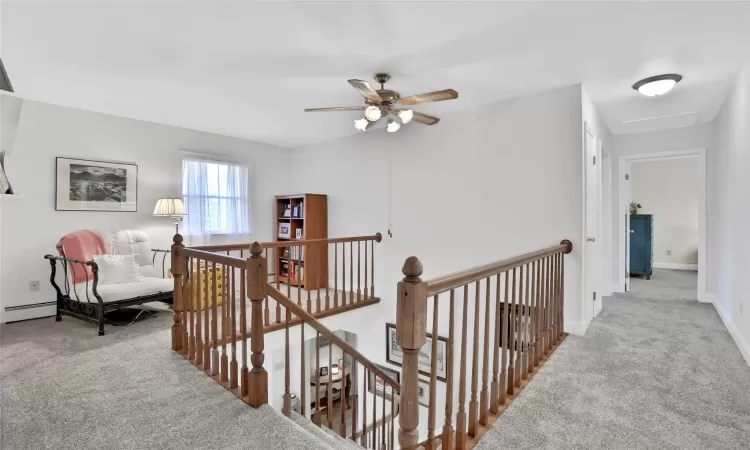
656 370
63 387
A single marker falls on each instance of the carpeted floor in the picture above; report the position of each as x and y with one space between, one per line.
64 387
656 370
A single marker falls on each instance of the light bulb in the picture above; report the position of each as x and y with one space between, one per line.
393 126
405 115
655 88
372 113
361 124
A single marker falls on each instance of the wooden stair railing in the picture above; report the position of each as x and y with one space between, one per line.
373 426
514 310
211 326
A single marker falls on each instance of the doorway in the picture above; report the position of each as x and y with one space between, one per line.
592 302
665 241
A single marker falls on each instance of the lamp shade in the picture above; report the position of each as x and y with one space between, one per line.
170 207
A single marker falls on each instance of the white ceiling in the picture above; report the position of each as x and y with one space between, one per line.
249 70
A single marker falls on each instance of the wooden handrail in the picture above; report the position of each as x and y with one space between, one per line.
214 257
377 237
447 282
308 319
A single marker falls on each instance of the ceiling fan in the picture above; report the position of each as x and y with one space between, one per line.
387 103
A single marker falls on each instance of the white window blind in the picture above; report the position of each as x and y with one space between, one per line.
216 197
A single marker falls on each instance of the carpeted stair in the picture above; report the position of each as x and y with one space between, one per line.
325 434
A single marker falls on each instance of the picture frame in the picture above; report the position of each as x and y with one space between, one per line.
377 386
423 392
285 230
298 233
90 185
394 353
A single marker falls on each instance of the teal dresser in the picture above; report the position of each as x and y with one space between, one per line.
641 244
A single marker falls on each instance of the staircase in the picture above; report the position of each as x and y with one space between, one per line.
497 323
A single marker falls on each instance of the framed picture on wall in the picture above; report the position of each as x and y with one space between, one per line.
378 386
423 392
86 185
394 354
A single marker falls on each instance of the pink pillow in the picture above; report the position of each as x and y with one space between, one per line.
82 245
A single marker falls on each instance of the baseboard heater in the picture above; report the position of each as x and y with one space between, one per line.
33 305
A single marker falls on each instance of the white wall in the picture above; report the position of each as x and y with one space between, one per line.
729 215
668 189
700 136
30 225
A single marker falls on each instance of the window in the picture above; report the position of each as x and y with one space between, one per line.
216 197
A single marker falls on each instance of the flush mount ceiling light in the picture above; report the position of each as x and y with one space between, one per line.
386 102
658 85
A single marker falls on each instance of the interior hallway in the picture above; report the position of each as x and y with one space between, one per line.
656 370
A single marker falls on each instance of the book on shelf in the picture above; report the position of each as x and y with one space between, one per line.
298 212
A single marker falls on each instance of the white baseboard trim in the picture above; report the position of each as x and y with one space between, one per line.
675 266
33 312
739 340
617 288
577 328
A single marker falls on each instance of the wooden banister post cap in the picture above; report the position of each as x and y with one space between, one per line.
568 246
378 237
256 249
177 238
412 269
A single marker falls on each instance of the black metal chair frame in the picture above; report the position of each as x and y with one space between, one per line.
94 311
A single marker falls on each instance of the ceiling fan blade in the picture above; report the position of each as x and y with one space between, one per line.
425 118
437 96
366 90
337 108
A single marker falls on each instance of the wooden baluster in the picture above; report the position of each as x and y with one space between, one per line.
316 268
366 290
550 283
355 409
484 401
559 298
359 271
529 322
206 317
190 300
343 400
363 437
523 291
335 275
537 313
411 322
505 344
267 312
327 288
382 422
244 392
317 420
556 314
545 279
447 441
375 411
343 275
553 309
225 310
461 416
372 265
287 407
214 323
329 411
474 367
198 305
495 385
351 272
512 338
392 422
257 272
178 307
303 373
432 408
234 365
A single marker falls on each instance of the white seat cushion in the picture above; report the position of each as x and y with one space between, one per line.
123 291
131 242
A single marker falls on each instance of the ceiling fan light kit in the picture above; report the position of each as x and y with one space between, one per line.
384 102
658 85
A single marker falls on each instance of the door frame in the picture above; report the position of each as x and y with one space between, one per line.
624 204
589 310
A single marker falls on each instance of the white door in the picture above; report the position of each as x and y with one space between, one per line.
626 211
591 226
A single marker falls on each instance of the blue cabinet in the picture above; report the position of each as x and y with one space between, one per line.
641 244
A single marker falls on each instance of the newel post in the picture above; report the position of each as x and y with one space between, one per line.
178 307
411 335
257 276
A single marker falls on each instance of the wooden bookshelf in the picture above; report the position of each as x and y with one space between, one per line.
308 213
